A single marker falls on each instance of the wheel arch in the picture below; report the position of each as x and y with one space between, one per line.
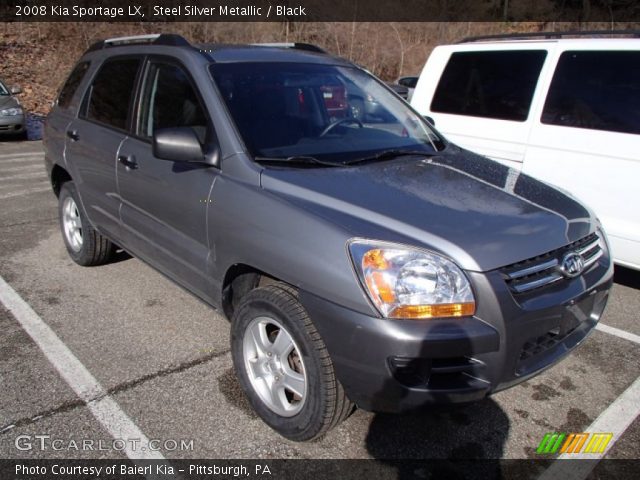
59 176
240 279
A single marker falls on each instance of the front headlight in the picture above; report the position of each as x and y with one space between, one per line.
11 112
403 282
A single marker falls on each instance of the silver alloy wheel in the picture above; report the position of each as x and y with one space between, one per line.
274 366
72 224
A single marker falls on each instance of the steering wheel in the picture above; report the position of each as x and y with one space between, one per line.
340 122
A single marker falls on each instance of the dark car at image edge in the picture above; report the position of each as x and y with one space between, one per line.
363 260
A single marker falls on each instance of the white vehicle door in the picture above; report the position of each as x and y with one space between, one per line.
586 137
483 97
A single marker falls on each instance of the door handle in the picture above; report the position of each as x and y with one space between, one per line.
73 135
129 161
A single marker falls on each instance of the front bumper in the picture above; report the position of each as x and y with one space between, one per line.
12 125
401 365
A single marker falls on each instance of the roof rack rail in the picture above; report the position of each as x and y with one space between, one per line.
296 45
554 35
169 39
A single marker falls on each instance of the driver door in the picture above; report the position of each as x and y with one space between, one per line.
164 203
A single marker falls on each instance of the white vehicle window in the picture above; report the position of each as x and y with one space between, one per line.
496 84
597 90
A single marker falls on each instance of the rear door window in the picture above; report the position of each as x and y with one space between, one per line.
597 90
496 84
112 91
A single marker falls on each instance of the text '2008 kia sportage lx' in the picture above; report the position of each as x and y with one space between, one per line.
361 258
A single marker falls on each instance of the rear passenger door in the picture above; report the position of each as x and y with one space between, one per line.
94 139
483 98
164 203
586 138
63 112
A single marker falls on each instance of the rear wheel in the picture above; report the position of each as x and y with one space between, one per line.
85 245
283 365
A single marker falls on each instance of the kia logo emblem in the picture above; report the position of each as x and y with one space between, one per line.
572 264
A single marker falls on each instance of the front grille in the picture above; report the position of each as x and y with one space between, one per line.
545 269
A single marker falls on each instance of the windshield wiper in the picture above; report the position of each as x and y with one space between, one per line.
308 160
302 159
389 155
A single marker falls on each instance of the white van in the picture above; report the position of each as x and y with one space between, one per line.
565 110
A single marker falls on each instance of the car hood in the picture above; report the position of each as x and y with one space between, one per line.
478 212
7 101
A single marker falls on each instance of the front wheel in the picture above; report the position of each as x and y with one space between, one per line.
283 365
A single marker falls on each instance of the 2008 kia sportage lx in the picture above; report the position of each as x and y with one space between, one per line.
362 259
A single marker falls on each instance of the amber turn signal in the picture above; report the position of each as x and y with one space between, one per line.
431 311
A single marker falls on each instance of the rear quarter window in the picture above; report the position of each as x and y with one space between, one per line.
598 90
69 88
495 84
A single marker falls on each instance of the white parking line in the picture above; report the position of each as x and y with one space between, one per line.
615 419
45 186
27 167
102 406
618 333
20 156
25 176
22 160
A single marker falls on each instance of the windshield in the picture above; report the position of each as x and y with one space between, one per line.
328 112
3 89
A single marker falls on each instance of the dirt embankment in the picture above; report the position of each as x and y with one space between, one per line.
39 56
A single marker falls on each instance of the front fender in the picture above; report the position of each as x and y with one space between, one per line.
249 225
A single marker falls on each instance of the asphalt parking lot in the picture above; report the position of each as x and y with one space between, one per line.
163 357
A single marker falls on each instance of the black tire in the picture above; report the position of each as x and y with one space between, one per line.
325 403
94 249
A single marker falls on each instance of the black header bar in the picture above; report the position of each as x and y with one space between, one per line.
380 469
317 11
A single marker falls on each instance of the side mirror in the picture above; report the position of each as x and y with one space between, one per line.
430 120
179 144
409 82
15 90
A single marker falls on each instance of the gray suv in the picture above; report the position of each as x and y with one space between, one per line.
362 260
